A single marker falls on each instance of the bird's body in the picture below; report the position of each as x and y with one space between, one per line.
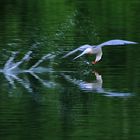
97 49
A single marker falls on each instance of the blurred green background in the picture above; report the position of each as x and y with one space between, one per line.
70 102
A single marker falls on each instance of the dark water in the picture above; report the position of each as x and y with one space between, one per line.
73 99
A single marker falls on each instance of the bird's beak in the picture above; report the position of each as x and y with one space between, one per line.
94 62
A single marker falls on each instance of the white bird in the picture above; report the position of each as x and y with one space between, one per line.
97 49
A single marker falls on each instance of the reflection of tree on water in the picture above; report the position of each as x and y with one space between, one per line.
95 86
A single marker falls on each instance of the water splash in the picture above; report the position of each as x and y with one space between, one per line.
12 71
11 67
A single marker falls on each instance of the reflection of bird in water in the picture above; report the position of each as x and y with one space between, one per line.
95 86
97 49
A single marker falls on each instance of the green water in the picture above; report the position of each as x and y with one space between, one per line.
75 100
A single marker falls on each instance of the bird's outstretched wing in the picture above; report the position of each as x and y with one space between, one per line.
86 51
116 42
81 48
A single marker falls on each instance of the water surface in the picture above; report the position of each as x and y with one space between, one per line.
62 98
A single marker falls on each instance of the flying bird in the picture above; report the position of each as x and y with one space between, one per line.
97 49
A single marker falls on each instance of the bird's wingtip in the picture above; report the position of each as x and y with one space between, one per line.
132 42
75 57
136 42
64 56
128 42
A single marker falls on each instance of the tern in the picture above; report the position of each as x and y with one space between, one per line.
97 49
